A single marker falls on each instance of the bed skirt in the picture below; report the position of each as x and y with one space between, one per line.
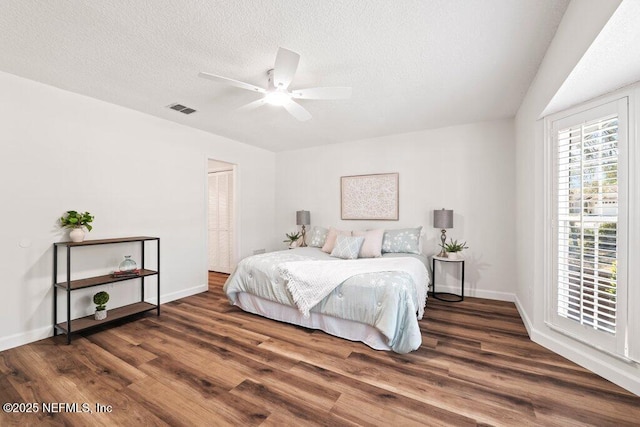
347 329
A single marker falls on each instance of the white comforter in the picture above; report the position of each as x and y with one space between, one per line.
386 300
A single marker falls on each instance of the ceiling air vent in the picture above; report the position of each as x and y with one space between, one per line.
181 108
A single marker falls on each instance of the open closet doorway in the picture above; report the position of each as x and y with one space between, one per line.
221 201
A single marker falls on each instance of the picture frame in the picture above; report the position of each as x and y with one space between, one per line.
370 197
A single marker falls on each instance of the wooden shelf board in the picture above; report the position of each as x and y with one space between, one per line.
102 280
107 241
87 322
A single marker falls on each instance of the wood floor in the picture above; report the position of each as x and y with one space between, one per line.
204 362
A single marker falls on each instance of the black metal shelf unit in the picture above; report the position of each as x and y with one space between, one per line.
80 324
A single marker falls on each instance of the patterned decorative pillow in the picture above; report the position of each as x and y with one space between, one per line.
347 247
404 240
318 236
372 246
330 242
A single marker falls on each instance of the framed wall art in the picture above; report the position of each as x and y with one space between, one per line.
369 197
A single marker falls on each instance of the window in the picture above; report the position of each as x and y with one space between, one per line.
587 188
589 150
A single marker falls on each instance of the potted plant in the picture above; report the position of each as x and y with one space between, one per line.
77 222
100 300
453 248
292 238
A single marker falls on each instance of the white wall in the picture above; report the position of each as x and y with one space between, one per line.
579 27
139 175
469 169
581 24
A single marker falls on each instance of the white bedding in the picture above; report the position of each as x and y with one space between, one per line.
387 301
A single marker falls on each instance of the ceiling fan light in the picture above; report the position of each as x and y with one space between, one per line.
277 98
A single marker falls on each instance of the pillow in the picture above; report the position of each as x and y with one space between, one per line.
404 240
318 236
330 242
347 247
372 246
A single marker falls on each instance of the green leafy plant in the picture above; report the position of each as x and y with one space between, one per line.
100 300
454 246
74 219
292 237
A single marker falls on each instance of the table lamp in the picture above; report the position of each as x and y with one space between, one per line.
443 219
303 218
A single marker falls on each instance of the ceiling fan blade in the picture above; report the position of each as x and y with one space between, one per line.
323 93
297 111
252 105
285 67
232 82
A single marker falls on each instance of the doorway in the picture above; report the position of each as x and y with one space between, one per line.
221 200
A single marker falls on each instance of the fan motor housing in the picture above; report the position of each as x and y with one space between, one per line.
270 86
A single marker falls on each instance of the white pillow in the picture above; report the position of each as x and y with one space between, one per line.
330 243
318 236
347 247
372 246
404 240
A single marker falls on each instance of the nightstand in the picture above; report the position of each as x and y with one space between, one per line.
438 295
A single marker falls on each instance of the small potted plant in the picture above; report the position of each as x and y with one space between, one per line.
292 239
100 300
77 222
453 248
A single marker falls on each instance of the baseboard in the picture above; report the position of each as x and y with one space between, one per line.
479 293
38 334
588 361
23 338
523 315
165 298
569 350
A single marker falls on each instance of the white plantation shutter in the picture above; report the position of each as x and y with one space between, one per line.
589 225
587 222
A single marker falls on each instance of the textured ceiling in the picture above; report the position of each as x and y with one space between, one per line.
412 64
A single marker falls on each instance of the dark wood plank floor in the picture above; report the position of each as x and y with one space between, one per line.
204 362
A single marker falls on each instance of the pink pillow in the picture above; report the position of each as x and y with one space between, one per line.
372 246
330 243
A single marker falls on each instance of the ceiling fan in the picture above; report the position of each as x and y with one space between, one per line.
278 92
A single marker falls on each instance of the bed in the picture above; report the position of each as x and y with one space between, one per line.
377 301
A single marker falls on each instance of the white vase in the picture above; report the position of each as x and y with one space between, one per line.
453 255
101 314
76 235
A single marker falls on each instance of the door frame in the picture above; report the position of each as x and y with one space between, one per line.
236 210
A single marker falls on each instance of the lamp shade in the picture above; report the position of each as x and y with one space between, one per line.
443 218
303 217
